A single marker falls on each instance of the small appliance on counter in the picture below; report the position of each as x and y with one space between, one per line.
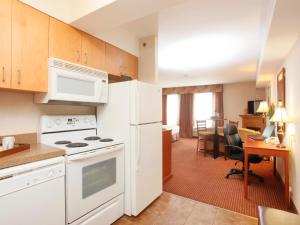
94 168
9 147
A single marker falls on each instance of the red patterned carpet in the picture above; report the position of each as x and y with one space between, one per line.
203 179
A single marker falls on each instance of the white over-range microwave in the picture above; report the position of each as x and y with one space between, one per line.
70 82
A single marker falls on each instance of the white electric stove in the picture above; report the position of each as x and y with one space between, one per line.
94 168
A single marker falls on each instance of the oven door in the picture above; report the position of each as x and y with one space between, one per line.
93 178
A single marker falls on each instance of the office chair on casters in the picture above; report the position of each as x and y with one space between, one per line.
235 151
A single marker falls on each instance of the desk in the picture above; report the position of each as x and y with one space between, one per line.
263 149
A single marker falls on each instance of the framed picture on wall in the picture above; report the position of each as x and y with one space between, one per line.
281 88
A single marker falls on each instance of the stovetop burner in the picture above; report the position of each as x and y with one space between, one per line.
106 140
76 145
92 138
64 142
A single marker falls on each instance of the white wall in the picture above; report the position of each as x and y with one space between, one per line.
18 113
119 37
236 97
293 109
148 59
59 9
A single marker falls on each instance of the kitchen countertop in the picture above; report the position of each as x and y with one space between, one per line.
35 153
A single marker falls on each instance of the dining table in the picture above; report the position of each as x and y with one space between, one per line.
216 120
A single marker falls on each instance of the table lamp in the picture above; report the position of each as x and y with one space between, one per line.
263 108
280 116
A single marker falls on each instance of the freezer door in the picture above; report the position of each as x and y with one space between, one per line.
146 100
146 165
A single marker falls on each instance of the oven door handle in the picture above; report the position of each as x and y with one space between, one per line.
95 153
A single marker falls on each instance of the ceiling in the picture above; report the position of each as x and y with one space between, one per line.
283 33
208 42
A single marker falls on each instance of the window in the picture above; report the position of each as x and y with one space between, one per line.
203 107
173 102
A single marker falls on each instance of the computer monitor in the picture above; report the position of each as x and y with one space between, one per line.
268 131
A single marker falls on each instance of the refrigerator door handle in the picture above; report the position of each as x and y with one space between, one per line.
138 152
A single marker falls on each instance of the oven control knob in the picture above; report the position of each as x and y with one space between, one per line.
57 122
49 124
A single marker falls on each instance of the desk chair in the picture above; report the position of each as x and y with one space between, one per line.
201 142
234 150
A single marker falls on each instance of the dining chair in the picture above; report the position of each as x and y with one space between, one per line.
202 137
234 123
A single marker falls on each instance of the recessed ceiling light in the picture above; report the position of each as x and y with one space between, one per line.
199 52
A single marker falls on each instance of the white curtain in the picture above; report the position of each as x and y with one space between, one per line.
203 107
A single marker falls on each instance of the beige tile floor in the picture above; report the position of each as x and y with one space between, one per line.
170 209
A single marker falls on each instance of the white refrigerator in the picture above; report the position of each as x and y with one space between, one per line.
134 113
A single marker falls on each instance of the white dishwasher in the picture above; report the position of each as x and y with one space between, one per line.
33 193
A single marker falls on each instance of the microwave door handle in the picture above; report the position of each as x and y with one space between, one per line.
96 153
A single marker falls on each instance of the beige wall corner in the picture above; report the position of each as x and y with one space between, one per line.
148 71
236 97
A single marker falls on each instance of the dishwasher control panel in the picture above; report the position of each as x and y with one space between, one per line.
22 180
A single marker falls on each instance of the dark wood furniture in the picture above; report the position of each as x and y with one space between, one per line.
263 149
167 154
253 122
269 216
202 136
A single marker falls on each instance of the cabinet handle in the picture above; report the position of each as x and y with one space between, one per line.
86 58
19 76
78 56
3 75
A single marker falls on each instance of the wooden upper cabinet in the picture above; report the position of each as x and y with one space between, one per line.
131 66
113 60
64 41
29 48
93 52
5 46
119 62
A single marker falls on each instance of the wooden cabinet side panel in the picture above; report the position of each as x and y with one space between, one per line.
5 40
167 154
133 66
30 36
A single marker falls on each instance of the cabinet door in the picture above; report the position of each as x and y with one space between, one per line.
64 41
93 52
5 40
131 65
113 60
29 48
